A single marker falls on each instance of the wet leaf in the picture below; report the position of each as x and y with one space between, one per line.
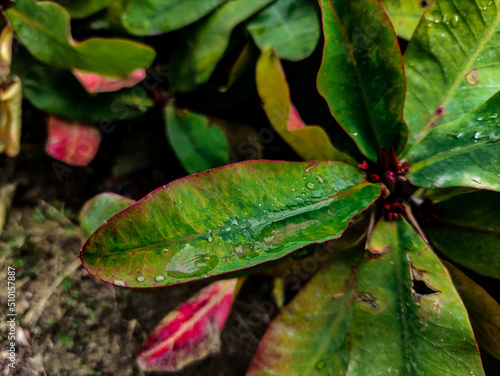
197 141
94 83
469 231
10 116
99 209
84 8
291 27
72 142
404 15
205 42
191 332
60 93
153 17
310 142
372 314
452 63
483 310
464 152
361 75
44 29
226 219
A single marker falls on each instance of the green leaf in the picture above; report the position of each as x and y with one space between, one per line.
404 15
452 63
469 232
203 44
395 314
197 141
310 142
153 17
483 310
44 28
99 209
226 219
361 75
60 93
464 152
84 8
291 27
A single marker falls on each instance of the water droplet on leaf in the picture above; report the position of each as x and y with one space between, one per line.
320 365
140 278
119 282
293 189
310 185
159 278
454 20
472 77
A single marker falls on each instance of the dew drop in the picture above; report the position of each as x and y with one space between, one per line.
320 365
210 237
140 278
493 116
459 135
320 179
293 189
477 135
159 278
119 282
310 185
235 222
454 21
480 118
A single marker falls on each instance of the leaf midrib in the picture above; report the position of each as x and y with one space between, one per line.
467 67
320 204
435 158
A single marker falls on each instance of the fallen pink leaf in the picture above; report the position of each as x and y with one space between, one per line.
72 142
191 332
95 83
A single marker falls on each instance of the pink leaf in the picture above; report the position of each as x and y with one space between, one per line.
294 120
191 332
71 141
94 83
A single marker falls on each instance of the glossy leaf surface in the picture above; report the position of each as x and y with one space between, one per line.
226 219
152 17
464 152
483 310
469 232
99 209
191 332
44 29
198 143
205 43
10 117
61 94
404 15
95 83
361 75
84 8
310 142
291 27
72 142
395 314
452 63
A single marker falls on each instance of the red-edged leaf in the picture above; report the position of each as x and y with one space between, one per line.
71 141
191 332
95 83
